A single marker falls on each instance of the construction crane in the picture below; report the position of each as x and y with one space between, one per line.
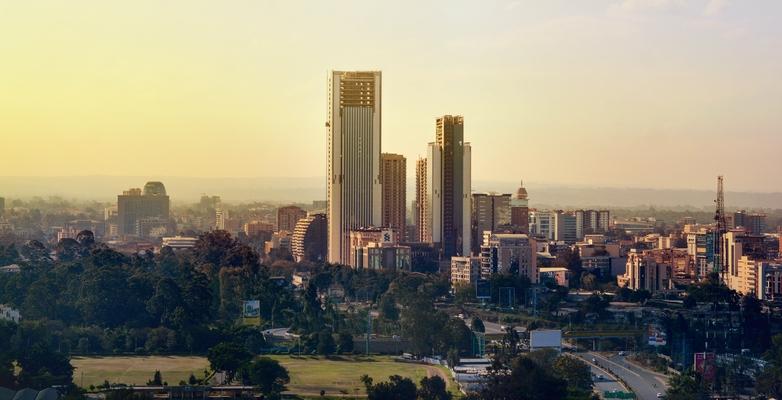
720 228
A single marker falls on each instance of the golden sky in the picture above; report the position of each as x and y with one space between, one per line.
643 93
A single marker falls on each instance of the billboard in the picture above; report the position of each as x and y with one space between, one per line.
656 335
251 312
483 289
705 365
545 339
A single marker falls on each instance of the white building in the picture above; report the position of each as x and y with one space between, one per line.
540 223
354 189
179 242
9 314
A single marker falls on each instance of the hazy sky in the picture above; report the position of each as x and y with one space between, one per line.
643 93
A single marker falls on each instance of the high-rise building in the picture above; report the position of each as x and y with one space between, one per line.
519 210
149 206
565 226
354 190
288 216
490 211
393 178
423 206
541 223
448 187
506 253
2 206
309 240
751 222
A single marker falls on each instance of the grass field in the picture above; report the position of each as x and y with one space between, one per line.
338 376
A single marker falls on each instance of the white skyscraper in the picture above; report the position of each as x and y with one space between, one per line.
354 189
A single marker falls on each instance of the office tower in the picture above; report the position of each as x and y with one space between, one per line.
519 210
490 211
150 206
2 206
448 188
287 217
540 223
751 222
393 178
565 227
423 207
354 190
509 253
310 238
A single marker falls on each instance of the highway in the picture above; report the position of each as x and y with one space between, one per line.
644 383
607 383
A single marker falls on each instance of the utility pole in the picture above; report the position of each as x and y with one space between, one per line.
369 331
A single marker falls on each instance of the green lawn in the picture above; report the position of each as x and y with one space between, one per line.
135 370
338 376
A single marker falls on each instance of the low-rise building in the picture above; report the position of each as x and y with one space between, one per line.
179 242
465 270
8 313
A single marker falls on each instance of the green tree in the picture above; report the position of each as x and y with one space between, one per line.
574 371
268 375
157 379
326 345
345 344
229 358
397 388
769 382
433 389
477 324
686 387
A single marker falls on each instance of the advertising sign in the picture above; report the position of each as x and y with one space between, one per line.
251 312
705 364
482 289
656 335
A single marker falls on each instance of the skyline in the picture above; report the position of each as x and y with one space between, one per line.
169 90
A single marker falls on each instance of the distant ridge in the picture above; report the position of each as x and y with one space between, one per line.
189 189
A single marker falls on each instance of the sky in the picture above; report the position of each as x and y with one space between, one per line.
635 93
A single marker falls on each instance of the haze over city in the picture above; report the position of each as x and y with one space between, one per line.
400 200
634 93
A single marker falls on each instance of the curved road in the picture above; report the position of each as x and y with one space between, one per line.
644 383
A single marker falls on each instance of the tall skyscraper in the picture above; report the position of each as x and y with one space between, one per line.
288 216
423 206
354 189
148 207
393 178
519 210
2 206
448 185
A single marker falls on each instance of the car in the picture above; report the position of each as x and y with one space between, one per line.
621 353
660 395
600 377
594 360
